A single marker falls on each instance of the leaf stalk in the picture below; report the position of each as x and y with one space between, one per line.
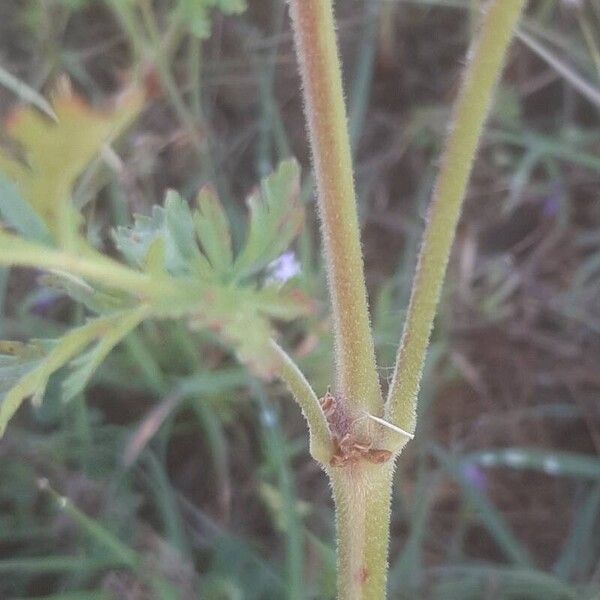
320 437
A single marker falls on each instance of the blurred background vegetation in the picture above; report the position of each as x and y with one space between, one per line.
178 475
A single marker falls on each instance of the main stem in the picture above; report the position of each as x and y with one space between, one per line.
316 48
362 494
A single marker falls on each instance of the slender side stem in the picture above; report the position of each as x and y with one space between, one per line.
586 89
589 36
486 59
316 48
160 53
320 438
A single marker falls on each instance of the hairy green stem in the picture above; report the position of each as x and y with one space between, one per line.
362 495
362 490
320 438
486 59
362 487
172 295
316 48
16 251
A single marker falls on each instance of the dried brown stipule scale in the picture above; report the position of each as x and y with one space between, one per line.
377 456
347 449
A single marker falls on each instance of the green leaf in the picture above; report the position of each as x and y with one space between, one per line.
186 269
181 245
17 359
34 379
85 365
196 13
155 259
212 229
195 248
283 302
134 242
26 368
276 218
81 291
19 215
173 224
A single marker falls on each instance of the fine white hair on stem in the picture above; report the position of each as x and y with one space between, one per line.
389 425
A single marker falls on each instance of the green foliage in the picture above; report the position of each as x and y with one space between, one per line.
182 262
194 248
212 229
163 242
196 13
167 241
20 216
26 368
273 225
17 359
94 299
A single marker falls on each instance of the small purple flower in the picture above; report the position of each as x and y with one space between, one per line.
475 476
551 202
44 302
284 267
551 206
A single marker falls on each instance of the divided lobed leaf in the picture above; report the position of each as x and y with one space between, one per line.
183 265
273 223
212 229
26 368
195 246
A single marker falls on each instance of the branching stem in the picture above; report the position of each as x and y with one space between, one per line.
361 490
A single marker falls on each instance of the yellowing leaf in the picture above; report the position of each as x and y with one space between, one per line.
56 153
